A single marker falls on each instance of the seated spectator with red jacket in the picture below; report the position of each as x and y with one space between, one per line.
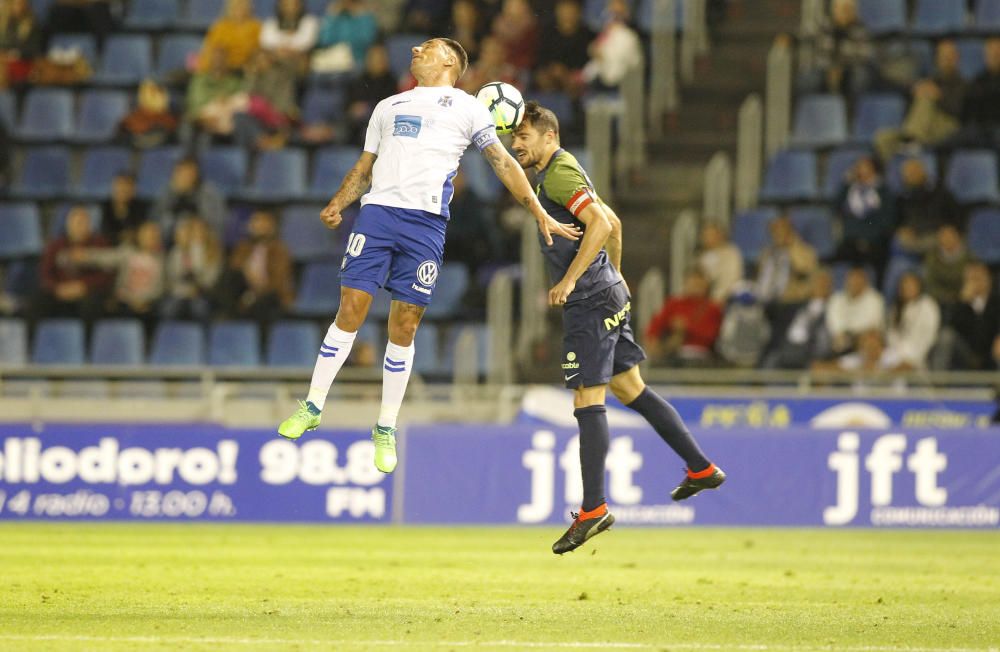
686 328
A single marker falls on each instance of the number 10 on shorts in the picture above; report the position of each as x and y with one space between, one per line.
355 243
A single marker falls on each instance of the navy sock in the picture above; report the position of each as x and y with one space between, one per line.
668 424
594 438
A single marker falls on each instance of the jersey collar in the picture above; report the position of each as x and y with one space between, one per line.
554 156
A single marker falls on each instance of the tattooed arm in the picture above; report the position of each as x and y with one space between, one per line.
354 185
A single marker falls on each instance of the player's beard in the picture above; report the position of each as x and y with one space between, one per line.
527 162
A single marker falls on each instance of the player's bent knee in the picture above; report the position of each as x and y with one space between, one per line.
627 385
589 396
353 309
404 318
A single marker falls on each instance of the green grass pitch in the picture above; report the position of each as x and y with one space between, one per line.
236 587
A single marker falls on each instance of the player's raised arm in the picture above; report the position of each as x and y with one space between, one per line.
598 230
357 181
614 244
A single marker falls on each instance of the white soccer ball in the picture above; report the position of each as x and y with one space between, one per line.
504 103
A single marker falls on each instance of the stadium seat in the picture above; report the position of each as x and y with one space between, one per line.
970 61
47 115
200 15
317 7
790 176
814 224
983 235
455 331
972 176
293 344
8 110
480 176
57 225
883 17
987 16
427 354
226 167
265 9
379 309
44 173
820 121
155 169
234 344
100 165
452 284
151 15
85 44
22 230
330 165
839 272
307 237
13 342
938 17
41 8
173 53
893 175
894 270
126 60
117 342
838 164
319 290
278 175
100 113
648 22
178 343
750 233
323 106
400 46
58 342
875 111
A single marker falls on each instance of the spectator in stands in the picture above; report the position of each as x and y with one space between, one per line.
745 330
290 34
844 53
151 123
944 267
123 211
93 16
869 356
264 120
685 329
188 194
138 266
348 30
363 93
71 287
20 41
563 53
786 266
473 237
914 321
936 108
922 209
258 282
720 261
967 340
867 210
467 26
854 310
517 28
193 267
492 66
981 105
236 33
615 51
806 338
214 96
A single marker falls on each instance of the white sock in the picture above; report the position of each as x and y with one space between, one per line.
395 374
332 354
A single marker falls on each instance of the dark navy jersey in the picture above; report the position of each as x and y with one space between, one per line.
565 190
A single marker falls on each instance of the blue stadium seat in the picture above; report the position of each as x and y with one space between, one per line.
8 110
874 111
307 237
126 60
319 290
984 235
226 167
117 342
264 9
648 22
894 270
820 121
278 175
894 174
921 51
174 51
151 15
938 17
47 115
41 9
178 343
452 284
293 344
330 165
44 174
57 225
814 224
987 16
790 176
58 341
323 105
21 226
155 169
883 16
380 305
560 104
750 233
839 272
234 344
100 113
838 164
13 342
972 176
483 182
482 346
427 354
317 7
399 46
99 167
200 15
970 61
85 44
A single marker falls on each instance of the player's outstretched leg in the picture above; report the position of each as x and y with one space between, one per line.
700 474
396 367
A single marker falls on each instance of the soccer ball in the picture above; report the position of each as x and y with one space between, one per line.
505 104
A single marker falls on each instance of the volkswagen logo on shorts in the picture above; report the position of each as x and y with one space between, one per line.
427 273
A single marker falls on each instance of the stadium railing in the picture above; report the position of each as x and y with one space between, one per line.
718 195
664 95
778 98
649 298
683 242
749 152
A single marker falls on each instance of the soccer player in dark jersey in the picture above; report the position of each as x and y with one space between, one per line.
598 346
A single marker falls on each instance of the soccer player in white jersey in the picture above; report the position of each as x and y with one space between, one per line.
412 149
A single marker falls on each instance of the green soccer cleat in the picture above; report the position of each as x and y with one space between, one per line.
305 418
385 448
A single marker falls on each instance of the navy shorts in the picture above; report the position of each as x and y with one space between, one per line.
597 339
400 249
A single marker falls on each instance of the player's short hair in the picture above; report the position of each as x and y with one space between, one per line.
459 52
540 118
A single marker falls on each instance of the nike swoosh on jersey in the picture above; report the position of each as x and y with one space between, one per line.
569 378
400 102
